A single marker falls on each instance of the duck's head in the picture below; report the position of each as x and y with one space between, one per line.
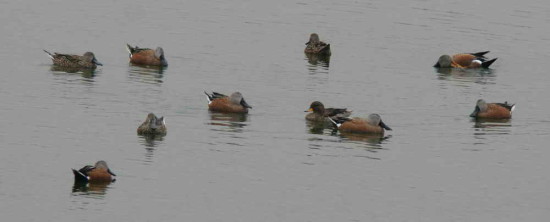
313 38
90 57
375 120
154 121
159 53
481 106
444 61
237 98
103 165
316 107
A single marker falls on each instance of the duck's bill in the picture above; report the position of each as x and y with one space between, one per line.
383 125
243 103
97 62
475 112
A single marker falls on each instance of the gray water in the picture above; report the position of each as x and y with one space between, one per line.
436 165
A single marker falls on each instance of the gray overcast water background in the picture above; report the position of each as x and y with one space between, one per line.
436 165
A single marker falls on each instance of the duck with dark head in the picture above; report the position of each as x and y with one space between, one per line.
318 112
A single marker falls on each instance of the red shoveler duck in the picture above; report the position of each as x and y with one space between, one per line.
100 172
234 103
465 60
152 126
316 46
147 57
484 110
319 113
86 61
373 124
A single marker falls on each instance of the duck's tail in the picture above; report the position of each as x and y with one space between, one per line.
480 54
130 49
209 97
79 177
49 54
507 105
486 64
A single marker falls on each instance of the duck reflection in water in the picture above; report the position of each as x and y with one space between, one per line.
146 74
95 188
318 60
373 140
152 140
235 121
492 126
317 127
86 73
481 76
144 69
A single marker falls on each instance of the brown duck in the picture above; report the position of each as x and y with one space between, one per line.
98 173
152 126
320 113
145 56
87 61
465 60
373 124
234 103
316 46
492 110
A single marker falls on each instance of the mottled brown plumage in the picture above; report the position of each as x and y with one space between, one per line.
87 61
152 126
320 113
316 46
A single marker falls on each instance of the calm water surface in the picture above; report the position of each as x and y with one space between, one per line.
436 165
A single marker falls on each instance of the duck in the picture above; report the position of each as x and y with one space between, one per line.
152 126
486 110
100 172
318 112
465 60
316 46
373 124
86 61
145 56
234 103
